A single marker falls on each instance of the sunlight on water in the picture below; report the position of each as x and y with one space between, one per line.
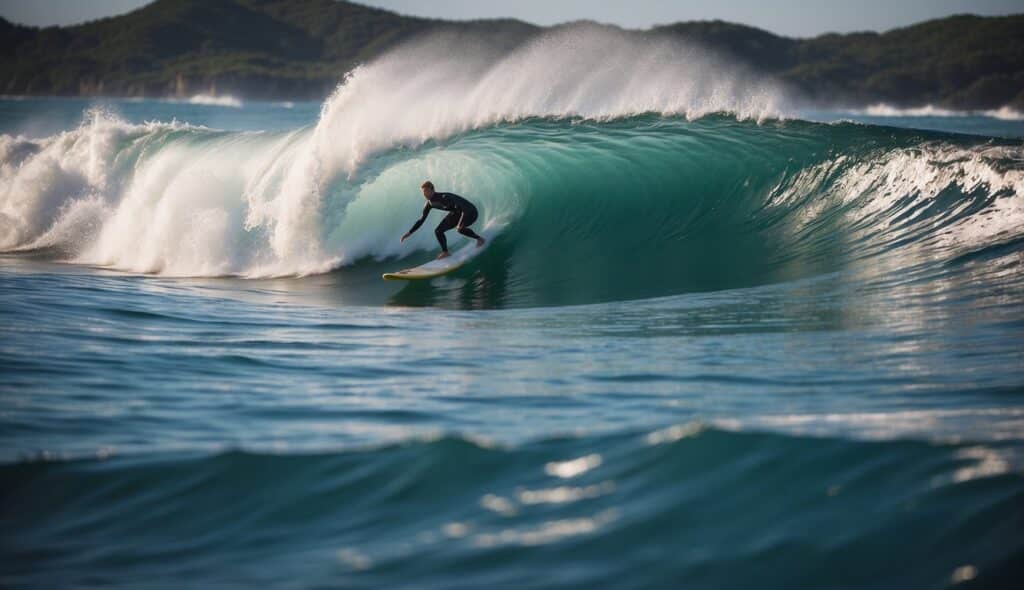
703 346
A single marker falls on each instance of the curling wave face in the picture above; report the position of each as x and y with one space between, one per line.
606 168
852 419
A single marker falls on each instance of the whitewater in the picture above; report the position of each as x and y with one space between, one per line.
718 339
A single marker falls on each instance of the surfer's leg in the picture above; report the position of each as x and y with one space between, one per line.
468 233
463 229
446 224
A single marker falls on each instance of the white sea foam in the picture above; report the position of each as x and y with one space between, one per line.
177 200
422 92
221 100
1005 113
180 200
1001 424
895 189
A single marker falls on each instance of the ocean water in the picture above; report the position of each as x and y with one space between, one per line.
715 341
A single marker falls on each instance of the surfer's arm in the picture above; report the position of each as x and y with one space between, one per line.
419 222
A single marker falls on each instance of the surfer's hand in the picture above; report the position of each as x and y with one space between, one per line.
404 237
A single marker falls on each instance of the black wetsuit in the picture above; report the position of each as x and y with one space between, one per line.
462 213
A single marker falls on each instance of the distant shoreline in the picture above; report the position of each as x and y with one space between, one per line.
285 51
878 110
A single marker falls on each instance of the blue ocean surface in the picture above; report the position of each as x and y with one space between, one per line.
703 349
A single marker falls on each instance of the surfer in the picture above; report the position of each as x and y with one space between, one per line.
461 215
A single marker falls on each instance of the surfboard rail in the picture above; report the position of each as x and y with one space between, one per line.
435 268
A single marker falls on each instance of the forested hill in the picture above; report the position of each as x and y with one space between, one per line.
286 49
964 61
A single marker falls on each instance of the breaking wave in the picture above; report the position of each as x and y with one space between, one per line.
592 154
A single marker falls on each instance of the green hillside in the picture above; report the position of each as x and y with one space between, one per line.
961 61
284 49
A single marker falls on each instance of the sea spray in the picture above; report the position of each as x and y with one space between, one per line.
586 144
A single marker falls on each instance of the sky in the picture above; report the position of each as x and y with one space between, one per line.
794 18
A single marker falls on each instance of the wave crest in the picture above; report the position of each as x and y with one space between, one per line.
592 150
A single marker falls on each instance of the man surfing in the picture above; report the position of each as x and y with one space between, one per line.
461 215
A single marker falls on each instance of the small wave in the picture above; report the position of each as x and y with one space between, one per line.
592 508
220 100
1005 113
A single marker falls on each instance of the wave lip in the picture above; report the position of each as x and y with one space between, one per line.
773 201
117 194
585 145
421 92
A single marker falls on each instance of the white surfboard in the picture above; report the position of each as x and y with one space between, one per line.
436 268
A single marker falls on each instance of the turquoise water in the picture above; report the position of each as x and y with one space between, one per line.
704 351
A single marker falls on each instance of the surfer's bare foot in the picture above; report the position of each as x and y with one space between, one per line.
480 242
443 254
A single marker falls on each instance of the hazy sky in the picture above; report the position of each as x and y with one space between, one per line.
798 18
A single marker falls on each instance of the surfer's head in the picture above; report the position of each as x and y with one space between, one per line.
428 189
